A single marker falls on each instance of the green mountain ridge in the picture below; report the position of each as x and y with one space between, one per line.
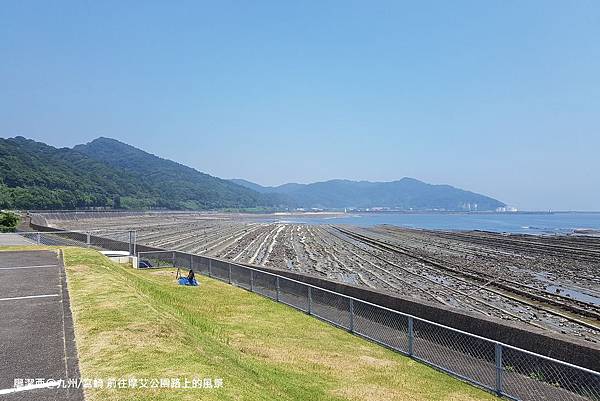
182 187
35 175
108 173
406 194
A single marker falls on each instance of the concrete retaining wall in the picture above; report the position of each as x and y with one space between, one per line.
581 353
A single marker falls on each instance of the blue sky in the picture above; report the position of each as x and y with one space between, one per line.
499 97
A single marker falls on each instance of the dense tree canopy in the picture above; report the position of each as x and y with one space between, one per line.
34 175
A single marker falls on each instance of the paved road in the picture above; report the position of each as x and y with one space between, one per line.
13 239
36 327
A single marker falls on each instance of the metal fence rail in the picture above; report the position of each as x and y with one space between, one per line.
102 240
499 368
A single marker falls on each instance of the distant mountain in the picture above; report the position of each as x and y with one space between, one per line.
180 186
405 194
251 185
281 189
278 194
106 173
34 175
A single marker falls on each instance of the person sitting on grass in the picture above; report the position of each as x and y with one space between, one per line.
191 276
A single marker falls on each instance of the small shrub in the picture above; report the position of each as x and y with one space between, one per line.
8 221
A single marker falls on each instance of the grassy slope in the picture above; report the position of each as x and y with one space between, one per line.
141 324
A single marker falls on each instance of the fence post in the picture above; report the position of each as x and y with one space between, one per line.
277 285
252 280
173 258
499 372
209 267
88 240
229 277
38 238
134 235
191 262
310 300
351 315
411 336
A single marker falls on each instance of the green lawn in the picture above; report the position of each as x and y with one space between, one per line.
133 323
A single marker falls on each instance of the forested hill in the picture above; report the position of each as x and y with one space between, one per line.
35 175
108 173
183 187
405 194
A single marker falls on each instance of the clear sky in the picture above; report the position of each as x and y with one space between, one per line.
499 97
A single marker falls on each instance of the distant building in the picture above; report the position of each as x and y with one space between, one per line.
469 206
506 209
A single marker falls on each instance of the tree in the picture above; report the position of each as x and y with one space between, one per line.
8 221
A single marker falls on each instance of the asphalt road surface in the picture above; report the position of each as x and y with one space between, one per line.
37 342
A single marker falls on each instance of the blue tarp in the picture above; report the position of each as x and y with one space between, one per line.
185 281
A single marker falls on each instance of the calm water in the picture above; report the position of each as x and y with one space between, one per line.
532 223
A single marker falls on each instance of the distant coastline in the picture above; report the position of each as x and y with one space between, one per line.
528 222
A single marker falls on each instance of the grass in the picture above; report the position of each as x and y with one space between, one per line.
134 323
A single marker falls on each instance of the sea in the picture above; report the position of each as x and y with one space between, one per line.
523 222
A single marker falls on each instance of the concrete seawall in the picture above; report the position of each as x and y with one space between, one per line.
554 345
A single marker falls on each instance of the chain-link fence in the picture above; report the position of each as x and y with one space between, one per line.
157 259
502 369
102 240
